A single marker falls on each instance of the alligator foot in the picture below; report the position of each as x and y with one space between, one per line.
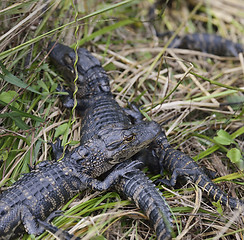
57 213
58 233
110 179
58 149
134 113
164 182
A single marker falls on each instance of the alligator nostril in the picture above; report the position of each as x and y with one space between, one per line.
86 154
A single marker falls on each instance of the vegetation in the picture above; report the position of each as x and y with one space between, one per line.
197 97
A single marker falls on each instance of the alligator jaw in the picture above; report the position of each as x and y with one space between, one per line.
144 133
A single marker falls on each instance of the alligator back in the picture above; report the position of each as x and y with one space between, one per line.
91 78
138 188
35 196
104 114
100 110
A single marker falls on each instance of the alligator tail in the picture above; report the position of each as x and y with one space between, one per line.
216 193
137 187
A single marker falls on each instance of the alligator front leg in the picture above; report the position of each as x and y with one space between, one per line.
134 113
68 100
58 149
110 179
179 172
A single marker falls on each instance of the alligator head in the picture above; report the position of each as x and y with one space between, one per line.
80 65
101 153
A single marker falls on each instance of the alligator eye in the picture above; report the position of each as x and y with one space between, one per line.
129 138
84 154
69 62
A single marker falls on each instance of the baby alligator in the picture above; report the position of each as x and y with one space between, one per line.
42 191
204 42
102 113
182 165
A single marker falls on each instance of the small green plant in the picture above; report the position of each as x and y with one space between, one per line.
234 154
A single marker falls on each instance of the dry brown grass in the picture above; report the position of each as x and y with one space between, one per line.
141 70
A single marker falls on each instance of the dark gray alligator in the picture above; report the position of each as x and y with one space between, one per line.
204 42
42 191
181 165
101 114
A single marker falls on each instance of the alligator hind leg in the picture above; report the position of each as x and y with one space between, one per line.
29 221
58 233
179 172
68 100
134 113
58 149
210 173
54 214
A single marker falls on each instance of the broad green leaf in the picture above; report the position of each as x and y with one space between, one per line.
223 138
214 148
234 155
60 130
229 177
54 87
10 78
219 207
238 132
3 156
19 122
98 238
8 96
72 143
43 85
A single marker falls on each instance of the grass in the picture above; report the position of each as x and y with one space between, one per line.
184 90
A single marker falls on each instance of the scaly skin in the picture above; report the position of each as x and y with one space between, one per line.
182 165
204 42
138 188
102 114
42 191
100 111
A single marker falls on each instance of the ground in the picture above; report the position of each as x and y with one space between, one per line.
197 97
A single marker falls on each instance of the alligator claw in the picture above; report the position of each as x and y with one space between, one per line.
164 182
134 113
135 164
129 165
57 149
58 233
132 167
54 214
